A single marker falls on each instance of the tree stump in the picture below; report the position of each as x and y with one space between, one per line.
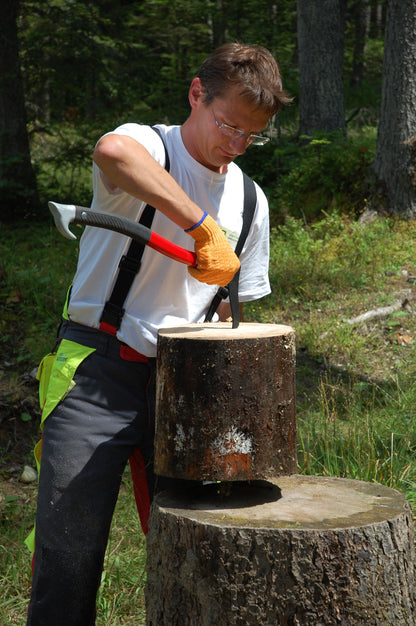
225 402
298 550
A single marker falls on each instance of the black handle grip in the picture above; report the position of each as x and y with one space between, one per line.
117 223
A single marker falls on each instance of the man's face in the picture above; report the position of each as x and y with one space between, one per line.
214 147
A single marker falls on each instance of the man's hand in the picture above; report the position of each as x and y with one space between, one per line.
217 262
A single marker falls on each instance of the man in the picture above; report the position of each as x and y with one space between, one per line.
99 403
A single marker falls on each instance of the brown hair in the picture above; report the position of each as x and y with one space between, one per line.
252 69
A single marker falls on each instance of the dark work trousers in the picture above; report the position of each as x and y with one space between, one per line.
87 440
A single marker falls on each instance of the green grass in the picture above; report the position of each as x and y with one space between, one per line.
36 268
356 397
121 596
16 517
362 431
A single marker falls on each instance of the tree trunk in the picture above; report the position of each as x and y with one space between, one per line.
321 26
18 192
218 20
394 163
377 19
360 22
300 550
225 402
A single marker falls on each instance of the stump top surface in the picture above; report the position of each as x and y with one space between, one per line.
304 502
224 330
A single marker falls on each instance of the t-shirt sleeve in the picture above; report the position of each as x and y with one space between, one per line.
146 136
104 197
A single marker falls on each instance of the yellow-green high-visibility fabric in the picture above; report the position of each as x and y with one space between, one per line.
61 374
56 379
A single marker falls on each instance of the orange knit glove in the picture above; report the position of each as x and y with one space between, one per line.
217 262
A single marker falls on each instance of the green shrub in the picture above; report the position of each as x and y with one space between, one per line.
324 173
335 253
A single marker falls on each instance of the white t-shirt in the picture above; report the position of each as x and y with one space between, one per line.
163 293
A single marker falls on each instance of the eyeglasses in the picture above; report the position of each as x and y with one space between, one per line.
237 133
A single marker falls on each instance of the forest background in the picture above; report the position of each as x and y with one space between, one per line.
71 70
339 175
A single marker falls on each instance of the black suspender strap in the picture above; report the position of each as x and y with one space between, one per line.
234 303
129 266
130 263
231 291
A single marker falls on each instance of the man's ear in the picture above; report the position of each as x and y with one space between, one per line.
196 93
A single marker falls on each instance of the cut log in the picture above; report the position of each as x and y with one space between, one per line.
297 550
225 402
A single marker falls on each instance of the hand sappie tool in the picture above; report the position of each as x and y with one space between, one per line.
65 214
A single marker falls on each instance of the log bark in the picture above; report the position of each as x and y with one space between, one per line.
225 402
298 550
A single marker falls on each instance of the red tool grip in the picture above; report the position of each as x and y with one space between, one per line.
169 249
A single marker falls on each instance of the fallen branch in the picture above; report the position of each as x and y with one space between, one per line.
379 313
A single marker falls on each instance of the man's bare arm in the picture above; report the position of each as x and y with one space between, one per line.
126 164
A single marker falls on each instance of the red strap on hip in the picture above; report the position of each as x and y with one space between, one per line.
129 354
126 353
108 328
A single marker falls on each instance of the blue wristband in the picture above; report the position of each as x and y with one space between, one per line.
188 230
